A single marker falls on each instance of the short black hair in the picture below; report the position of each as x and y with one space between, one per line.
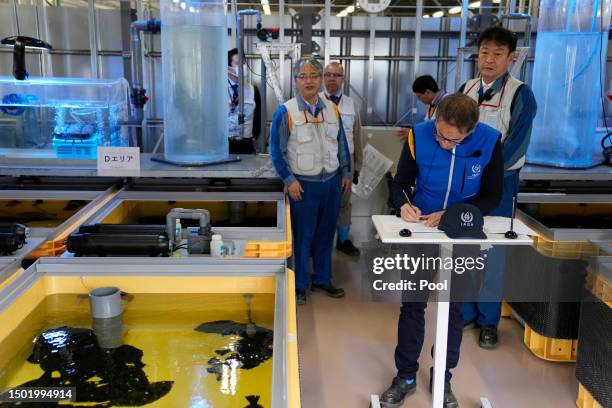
230 54
423 83
500 36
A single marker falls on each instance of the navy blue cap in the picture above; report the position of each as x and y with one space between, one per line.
463 221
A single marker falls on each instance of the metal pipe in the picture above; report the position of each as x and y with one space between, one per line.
138 92
263 94
281 39
526 34
327 31
240 46
14 16
462 35
372 44
390 75
93 38
417 52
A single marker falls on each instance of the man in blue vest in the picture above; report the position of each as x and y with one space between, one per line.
509 106
451 160
310 154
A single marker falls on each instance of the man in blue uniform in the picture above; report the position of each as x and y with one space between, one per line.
509 106
451 160
310 153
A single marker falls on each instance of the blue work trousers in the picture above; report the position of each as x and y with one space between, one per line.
487 310
313 220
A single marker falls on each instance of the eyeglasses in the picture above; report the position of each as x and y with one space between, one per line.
302 77
335 76
441 138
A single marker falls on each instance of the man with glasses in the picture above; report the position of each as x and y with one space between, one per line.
452 160
349 112
310 154
509 106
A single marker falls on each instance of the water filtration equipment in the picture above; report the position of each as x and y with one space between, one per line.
194 50
570 55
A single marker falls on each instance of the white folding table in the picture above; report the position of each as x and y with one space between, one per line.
388 228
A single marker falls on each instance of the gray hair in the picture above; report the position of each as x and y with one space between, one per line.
458 110
307 61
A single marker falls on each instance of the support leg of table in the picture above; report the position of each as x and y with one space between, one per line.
446 251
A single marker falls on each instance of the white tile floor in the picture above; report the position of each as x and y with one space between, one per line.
346 353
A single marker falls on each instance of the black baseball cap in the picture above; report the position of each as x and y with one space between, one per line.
463 221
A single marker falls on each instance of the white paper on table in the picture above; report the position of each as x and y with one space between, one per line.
394 225
499 225
492 225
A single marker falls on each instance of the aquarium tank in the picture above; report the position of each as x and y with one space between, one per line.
570 55
70 117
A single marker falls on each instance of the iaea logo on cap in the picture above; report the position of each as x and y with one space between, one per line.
467 217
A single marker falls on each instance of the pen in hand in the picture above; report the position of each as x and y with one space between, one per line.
410 204
407 199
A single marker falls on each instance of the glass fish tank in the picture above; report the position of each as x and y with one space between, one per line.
66 117
191 334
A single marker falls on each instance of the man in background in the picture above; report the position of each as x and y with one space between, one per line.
333 76
241 142
426 90
508 105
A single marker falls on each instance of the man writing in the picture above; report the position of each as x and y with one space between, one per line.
437 161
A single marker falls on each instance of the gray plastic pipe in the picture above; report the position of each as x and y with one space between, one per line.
183 214
105 302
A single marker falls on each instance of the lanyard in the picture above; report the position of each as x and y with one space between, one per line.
316 122
501 97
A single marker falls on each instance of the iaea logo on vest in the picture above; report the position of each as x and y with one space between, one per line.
467 217
476 169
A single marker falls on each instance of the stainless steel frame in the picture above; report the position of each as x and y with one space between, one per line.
8 266
273 234
179 267
40 235
564 234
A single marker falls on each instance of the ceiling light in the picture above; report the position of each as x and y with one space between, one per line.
438 14
425 15
454 10
475 4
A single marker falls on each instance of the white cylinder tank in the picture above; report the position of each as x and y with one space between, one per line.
194 74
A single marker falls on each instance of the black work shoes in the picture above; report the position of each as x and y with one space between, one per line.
488 337
400 388
449 401
329 289
394 395
348 248
300 297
